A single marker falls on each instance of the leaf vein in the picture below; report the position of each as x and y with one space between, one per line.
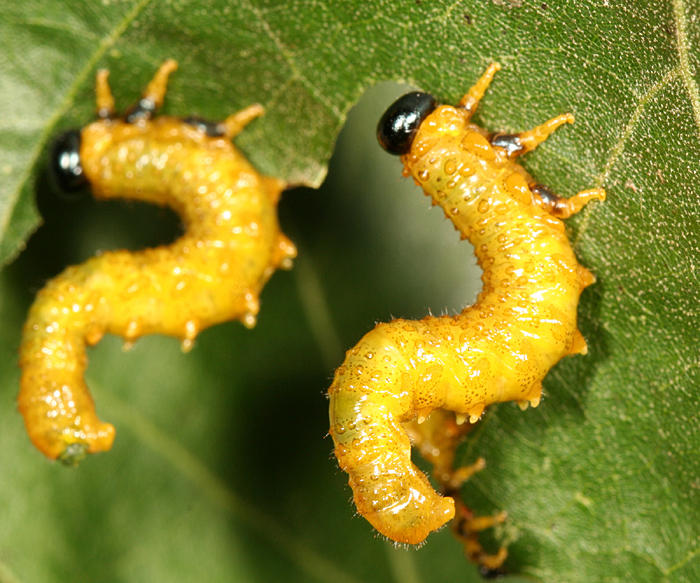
683 562
78 81
682 47
619 147
289 58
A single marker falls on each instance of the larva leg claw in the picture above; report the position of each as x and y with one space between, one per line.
471 99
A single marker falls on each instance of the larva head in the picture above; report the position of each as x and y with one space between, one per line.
65 162
399 124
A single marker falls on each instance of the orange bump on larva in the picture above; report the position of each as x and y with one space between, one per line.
213 273
499 349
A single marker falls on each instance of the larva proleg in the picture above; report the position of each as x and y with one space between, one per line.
437 438
499 349
213 273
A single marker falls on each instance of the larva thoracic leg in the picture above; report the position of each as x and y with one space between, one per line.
213 273
436 439
499 349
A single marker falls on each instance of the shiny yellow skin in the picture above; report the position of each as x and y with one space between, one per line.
211 274
499 349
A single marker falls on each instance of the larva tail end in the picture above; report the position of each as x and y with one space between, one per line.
73 454
99 440
59 415
392 494
71 446
414 518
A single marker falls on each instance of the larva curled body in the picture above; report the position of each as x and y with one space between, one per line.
211 274
499 349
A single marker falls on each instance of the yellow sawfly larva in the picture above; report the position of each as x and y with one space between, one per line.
213 273
499 349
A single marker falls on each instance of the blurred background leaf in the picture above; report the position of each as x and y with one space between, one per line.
220 470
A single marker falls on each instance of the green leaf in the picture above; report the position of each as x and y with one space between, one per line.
220 470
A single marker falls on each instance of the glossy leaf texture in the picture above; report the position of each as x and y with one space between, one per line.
220 470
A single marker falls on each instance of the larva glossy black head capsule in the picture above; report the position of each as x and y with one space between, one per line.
399 124
65 162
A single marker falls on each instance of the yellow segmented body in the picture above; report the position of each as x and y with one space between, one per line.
213 273
499 349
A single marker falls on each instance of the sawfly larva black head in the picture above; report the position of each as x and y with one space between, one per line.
399 124
66 167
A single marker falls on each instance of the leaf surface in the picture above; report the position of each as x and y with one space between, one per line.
220 471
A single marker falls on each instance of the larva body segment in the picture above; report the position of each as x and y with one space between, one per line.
499 349
211 274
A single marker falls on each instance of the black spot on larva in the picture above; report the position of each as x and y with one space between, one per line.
66 168
545 194
509 142
399 124
144 109
212 128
